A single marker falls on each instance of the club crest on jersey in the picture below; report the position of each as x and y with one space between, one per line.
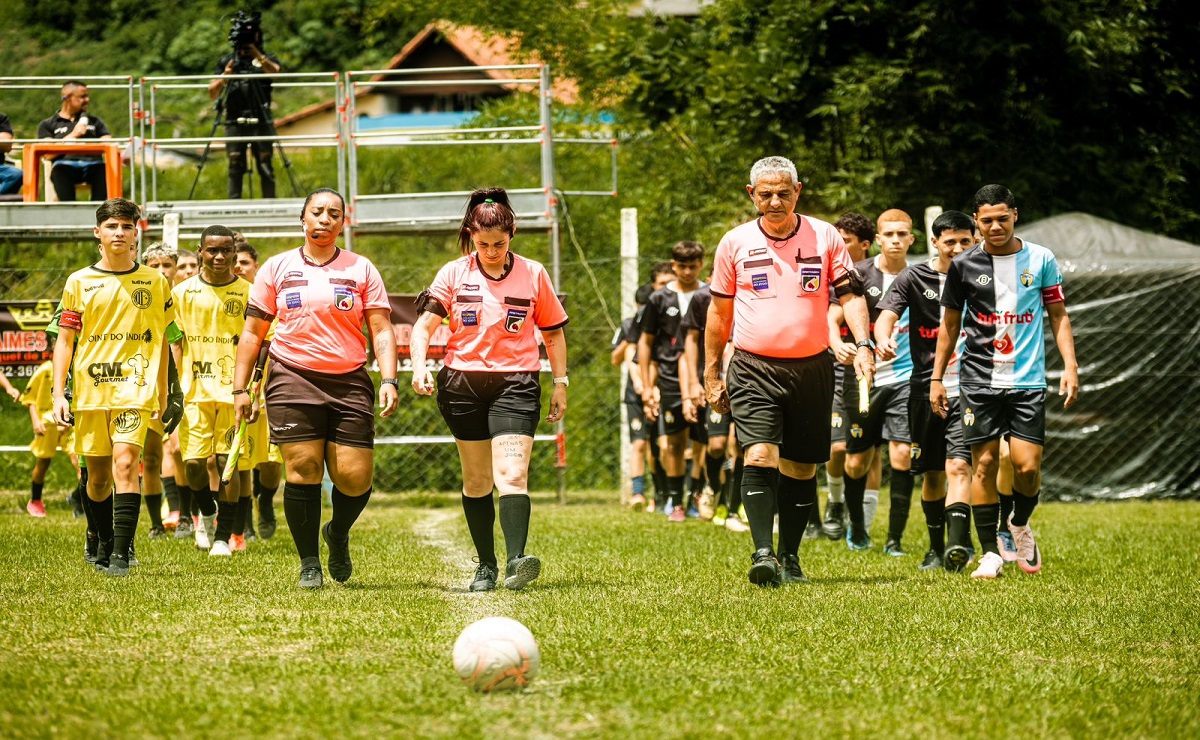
142 298
291 300
835 420
516 319
874 291
759 281
233 307
635 425
968 417
856 431
810 279
470 317
1027 278
983 279
673 311
343 299
930 294
127 421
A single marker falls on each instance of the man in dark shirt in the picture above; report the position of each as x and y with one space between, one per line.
247 106
10 177
72 123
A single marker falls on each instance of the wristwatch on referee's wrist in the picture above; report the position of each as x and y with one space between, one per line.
564 381
390 381
865 344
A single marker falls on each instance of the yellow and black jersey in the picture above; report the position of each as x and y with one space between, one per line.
39 393
120 319
211 318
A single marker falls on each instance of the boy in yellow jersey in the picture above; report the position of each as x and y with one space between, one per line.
163 257
210 312
264 459
112 338
46 438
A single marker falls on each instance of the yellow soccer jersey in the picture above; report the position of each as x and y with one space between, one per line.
40 391
120 320
211 318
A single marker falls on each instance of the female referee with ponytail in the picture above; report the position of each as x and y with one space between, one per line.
319 397
488 392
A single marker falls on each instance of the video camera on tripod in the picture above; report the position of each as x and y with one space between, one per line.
245 29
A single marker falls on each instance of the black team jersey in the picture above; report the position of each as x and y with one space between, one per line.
697 318
663 318
919 290
630 332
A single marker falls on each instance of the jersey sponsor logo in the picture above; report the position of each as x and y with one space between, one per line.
983 279
810 279
293 274
1004 346
90 288
1004 319
139 282
835 420
343 299
190 291
142 298
233 307
105 372
1027 278
874 291
759 281
470 287
856 431
138 364
127 421
926 333
968 417
516 319
756 252
291 300
470 317
672 311
930 294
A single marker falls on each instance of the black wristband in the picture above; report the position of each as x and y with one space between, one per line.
935 380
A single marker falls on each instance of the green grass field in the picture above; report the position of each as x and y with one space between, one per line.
647 629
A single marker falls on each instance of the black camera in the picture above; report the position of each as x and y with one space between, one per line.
245 29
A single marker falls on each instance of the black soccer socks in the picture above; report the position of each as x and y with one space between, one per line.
346 510
901 498
797 498
935 522
514 522
481 523
302 508
758 496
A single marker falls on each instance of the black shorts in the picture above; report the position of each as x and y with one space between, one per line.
303 405
782 402
886 419
715 425
989 413
638 428
479 405
671 421
837 415
934 439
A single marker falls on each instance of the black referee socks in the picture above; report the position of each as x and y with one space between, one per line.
302 508
796 501
345 511
758 496
481 522
935 522
514 522
901 497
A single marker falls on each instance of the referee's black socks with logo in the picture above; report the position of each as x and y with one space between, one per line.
302 509
346 510
514 522
797 498
481 522
901 498
758 496
126 507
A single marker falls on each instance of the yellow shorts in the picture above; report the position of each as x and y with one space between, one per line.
97 430
206 429
52 441
258 445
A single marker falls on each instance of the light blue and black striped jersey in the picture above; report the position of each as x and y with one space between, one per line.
878 283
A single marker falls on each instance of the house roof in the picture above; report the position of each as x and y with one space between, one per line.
478 48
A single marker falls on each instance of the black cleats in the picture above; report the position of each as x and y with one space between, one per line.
339 563
932 561
118 567
892 548
956 558
485 577
764 568
521 571
790 569
310 574
834 525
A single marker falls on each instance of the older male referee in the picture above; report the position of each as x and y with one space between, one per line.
771 282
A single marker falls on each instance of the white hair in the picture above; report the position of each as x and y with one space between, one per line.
772 166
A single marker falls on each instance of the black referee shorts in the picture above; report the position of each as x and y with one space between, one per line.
478 404
303 405
782 402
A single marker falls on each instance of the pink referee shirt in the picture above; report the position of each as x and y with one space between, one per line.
780 288
319 308
493 322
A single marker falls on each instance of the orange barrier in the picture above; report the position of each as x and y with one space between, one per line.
32 163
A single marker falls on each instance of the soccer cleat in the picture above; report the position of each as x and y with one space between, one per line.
171 520
91 548
157 533
237 543
692 511
956 558
310 573
764 568
706 503
220 549
735 524
789 570
1029 557
637 502
811 532
892 547
117 568
521 571
36 508
834 525
485 578
205 530
338 561
991 565
932 561
856 540
1007 547
131 557
720 514
184 530
677 514
266 528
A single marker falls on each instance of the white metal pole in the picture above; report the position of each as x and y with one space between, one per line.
931 214
629 285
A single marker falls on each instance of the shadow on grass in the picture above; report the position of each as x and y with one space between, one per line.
871 580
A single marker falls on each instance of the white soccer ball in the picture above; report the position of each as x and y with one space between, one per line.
496 654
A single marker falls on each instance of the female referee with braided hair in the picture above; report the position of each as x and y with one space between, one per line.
488 392
319 396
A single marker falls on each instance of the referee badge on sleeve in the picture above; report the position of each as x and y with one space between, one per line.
810 279
343 299
515 319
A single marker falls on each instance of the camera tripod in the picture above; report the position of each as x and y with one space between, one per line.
265 118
